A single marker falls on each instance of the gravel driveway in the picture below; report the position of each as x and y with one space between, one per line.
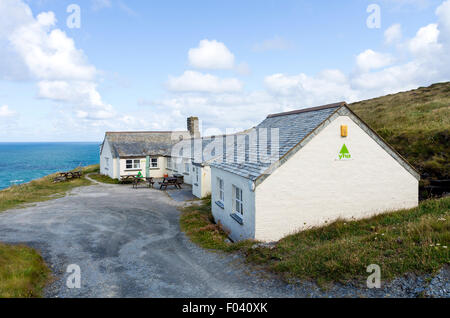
128 243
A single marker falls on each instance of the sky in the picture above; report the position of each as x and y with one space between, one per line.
72 70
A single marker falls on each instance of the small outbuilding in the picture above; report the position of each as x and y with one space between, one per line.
325 164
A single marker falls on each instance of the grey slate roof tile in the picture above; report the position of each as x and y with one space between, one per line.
292 128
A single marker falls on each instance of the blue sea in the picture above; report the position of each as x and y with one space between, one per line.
23 162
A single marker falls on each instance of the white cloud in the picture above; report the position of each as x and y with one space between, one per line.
443 13
369 60
50 57
211 55
5 111
303 90
393 34
426 40
276 43
192 81
50 54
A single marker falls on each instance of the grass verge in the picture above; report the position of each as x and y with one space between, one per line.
41 190
415 240
104 179
198 223
23 272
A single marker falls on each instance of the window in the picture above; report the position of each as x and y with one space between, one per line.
221 193
169 163
186 167
197 172
153 162
238 204
133 164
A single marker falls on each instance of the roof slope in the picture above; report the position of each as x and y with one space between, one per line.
292 127
146 143
295 129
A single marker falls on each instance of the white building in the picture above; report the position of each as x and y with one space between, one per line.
325 164
159 153
147 152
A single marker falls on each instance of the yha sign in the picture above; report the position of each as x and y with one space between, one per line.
344 154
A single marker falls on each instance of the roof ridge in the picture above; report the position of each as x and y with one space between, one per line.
305 110
146 132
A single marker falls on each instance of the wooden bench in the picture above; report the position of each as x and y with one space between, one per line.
127 178
173 181
64 176
135 180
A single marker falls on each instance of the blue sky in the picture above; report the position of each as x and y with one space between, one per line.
147 65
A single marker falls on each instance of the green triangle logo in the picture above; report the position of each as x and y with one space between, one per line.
139 175
344 150
344 153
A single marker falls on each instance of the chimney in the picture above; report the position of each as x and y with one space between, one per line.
192 126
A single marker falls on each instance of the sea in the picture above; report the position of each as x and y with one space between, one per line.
23 162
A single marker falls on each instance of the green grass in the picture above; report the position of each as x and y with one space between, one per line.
104 179
197 222
399 242
416 123
23 273
41 190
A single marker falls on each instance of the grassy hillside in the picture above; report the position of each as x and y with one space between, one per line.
416 123
41 190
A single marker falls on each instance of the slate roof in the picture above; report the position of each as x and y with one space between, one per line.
145 143
292 128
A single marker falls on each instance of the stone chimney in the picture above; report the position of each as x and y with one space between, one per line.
193 127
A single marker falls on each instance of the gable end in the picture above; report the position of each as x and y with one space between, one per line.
342 111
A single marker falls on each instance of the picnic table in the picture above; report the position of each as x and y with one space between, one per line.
135 180
63 176
173 181
71 174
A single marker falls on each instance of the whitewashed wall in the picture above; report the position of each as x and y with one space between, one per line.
202 188
206 181
154 172
160 171
106 160
313 188
237 231
126 172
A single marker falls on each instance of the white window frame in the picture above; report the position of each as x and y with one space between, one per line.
187 167
221 189
197 171
151 163
132 164
169 163
238 201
